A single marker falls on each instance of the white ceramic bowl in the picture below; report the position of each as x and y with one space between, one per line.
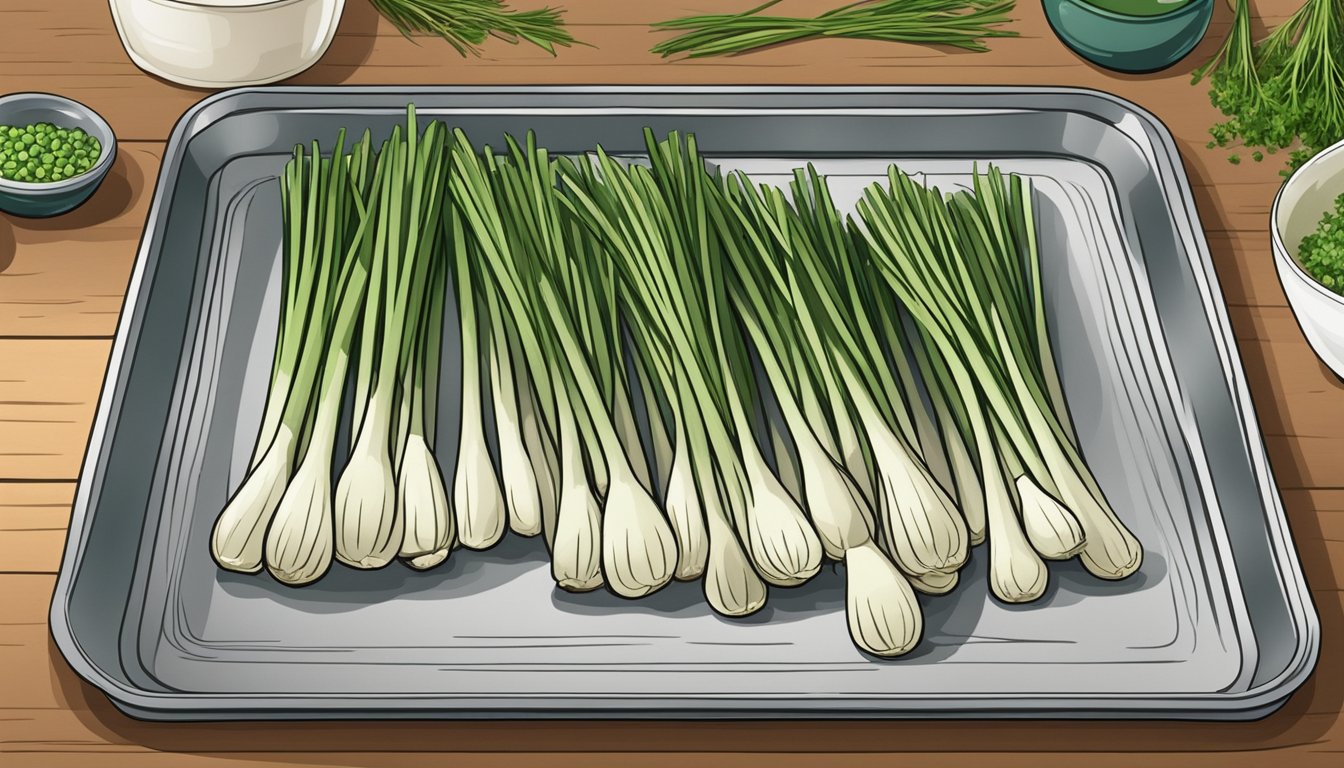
1298 209
226 43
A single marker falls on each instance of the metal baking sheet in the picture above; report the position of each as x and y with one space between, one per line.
1217 624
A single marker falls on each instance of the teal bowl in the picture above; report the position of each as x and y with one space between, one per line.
54 198
1124 43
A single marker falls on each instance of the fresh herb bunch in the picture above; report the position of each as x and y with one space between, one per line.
957 23
466 24
1322 252
1287 89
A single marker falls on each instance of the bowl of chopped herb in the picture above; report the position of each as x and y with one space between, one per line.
54 152
1308 237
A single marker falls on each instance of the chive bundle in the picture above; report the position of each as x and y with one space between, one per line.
962 24
466 24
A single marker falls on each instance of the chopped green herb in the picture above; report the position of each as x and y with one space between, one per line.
1322 252
1287 91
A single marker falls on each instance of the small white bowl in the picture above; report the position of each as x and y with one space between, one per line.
226 43
1307 195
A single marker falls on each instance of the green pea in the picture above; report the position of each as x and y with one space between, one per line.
45 152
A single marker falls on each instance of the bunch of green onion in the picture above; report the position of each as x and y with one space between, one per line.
903 353
361 253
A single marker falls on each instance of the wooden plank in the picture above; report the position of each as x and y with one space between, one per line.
45 708
48 391
33 520
67 276
60 45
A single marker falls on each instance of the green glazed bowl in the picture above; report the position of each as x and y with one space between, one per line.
1129 43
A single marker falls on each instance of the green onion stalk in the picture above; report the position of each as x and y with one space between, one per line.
940 441
429 528
656 225
699 490
299 542
1017 573
539 441
882 611
921 524
670 476
299 223
638 551
478 497
369 532
522 491
883 614
318 220
922 527
573 528
533 250
956 265
697 495
759 253
686 186
997 224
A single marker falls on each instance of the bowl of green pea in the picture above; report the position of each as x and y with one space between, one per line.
54 153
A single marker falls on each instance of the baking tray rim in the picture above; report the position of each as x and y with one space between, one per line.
1260 699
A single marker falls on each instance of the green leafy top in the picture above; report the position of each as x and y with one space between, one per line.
466 24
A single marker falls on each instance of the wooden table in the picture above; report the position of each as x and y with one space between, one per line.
61 287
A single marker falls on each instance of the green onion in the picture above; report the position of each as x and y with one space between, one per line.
299 542
522 492
478 497
772 285
638 549
958 264
429 528
954 23
368 529
695 497
319 209
922 526
655 224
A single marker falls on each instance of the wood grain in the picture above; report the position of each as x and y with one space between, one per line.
48 390
67 276
33 517
62 284
67 43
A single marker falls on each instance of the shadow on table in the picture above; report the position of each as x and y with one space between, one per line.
350 48
113 198
7 246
